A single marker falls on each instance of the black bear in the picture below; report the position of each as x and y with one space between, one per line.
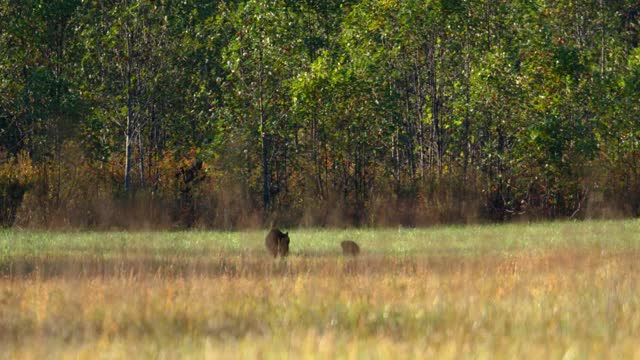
350 248
277 243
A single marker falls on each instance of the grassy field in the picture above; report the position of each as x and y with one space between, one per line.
556 290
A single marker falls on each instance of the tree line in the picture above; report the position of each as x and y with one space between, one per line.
225 114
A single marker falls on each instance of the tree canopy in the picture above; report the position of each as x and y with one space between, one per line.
372 112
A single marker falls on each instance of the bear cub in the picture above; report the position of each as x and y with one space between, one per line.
350 248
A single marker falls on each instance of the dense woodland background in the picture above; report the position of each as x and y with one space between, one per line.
228 114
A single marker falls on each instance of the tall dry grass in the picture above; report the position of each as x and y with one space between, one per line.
451 300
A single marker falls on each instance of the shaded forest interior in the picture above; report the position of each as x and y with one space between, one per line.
232 114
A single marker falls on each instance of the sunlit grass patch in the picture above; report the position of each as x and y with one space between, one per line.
545 290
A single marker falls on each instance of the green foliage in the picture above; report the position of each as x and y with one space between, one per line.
448 109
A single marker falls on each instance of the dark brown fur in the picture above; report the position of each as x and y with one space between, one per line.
277 243
350 248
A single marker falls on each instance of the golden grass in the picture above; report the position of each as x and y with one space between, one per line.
551 303
567 290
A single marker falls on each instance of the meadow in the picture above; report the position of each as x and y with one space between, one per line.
546 290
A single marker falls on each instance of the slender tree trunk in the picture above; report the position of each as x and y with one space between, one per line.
396 159
467 121
419 110
316 155
129 127
265 166
409 125
602 47
435 104
152 147
263 139
141 156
